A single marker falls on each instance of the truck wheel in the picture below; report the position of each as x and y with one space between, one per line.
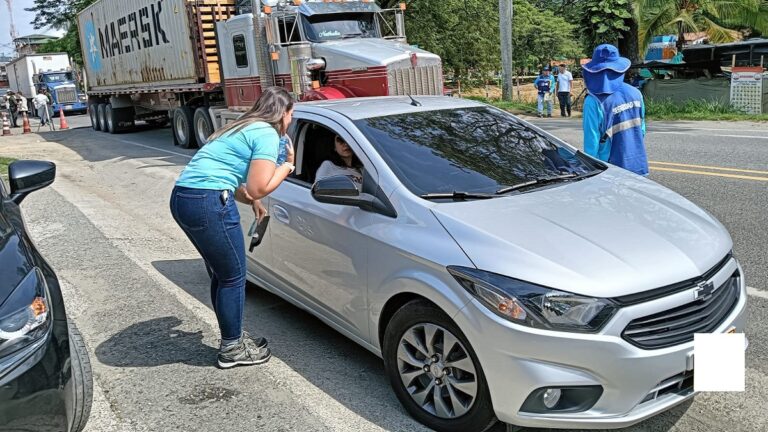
82 380
182 127
93 111
203 126
102 117
111 116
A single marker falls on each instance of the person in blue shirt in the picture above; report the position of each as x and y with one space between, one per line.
614 112
545 86
240 162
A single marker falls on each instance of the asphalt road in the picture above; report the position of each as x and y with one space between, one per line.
139 292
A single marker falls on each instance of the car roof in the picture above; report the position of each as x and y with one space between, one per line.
361 108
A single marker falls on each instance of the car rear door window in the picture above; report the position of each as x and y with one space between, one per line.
476 149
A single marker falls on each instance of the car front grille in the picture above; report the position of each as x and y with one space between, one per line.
66 95
676 326
422 80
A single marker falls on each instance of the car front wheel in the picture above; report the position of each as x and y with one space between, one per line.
434 371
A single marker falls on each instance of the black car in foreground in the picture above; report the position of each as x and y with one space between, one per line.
45 375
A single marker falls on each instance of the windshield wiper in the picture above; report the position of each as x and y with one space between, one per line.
350 35
538 182
457 196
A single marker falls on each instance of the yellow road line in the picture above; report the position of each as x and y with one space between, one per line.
710 174
708 167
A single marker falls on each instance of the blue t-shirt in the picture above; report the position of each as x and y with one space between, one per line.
223 164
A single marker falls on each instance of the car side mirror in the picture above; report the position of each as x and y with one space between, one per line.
341 190
27 176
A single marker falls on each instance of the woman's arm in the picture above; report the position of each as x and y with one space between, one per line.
264 177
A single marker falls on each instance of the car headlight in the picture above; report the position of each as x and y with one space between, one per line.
83 97
25 316
534 305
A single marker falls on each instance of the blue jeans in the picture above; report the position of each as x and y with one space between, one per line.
541 104
213 225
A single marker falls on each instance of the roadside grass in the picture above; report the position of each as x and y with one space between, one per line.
4 162
697 110
654 110
515 107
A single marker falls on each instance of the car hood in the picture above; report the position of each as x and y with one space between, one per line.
609 235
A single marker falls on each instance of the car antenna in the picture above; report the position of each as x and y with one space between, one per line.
414 102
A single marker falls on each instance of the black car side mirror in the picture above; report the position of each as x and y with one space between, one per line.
27 176
341 190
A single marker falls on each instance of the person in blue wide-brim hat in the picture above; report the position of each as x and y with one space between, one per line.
614 112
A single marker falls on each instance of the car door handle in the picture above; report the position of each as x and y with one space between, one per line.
281 214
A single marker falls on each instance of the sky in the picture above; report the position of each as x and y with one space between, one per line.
22 20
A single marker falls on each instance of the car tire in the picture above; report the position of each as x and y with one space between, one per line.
102 117
203 125
479 415
93 112
112 119
82 380
183 127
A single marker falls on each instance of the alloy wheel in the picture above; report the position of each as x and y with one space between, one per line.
437 371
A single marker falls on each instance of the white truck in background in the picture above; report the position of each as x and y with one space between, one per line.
29 73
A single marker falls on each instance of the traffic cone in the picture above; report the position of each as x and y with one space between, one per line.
6 125
63 120
25 124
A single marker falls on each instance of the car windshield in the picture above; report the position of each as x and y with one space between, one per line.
473 150
57 77
321 28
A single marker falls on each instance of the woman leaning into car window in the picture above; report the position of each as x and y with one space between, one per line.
240 162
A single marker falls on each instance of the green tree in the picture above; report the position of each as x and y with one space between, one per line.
540 36
605 21
719 19
60 14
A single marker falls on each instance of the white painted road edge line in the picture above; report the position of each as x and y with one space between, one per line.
156 149
652 131
757 292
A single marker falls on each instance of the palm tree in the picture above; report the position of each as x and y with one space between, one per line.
719 19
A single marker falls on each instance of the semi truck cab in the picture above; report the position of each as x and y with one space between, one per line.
62 89
323 50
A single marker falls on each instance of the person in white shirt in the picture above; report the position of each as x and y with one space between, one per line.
343 163
564 89
41 102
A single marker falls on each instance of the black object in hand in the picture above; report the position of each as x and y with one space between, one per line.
257 234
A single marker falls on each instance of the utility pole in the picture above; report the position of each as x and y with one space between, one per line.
505 32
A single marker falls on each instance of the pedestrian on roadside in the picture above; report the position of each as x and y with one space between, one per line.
13 106
614 112
22 106
239 162
564 90
41 102
545 86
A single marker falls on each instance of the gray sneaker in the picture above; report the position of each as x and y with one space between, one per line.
243 354
258 342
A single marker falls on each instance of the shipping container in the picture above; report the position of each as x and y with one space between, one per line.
154 44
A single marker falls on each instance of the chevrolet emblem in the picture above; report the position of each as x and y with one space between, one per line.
704 290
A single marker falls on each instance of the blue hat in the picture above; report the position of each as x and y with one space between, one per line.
606 56
604 74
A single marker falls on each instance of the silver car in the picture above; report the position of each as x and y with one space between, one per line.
499 272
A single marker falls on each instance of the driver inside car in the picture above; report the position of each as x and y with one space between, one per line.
344 162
